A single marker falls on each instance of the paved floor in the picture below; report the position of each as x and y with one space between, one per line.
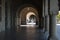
58 31
27 33
31 33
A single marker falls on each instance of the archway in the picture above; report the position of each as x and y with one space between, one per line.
31 18
25 14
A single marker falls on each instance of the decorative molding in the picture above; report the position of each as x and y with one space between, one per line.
54 5
53 12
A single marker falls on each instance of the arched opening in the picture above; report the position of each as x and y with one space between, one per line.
31 18
28 16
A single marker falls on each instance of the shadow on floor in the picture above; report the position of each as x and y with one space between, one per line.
25 33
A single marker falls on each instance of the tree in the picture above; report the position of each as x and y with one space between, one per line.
58 18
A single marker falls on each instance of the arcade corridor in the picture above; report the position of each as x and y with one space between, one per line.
29 19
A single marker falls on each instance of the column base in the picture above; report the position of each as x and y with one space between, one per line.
52 38
46 31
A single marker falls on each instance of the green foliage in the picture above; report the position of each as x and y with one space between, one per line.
58 16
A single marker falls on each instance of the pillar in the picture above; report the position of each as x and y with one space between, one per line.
47 23
3 16
2 20
8 14
43 23
52 27
43 15
52 8
46 16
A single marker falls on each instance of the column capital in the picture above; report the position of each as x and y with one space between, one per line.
53 13
46 15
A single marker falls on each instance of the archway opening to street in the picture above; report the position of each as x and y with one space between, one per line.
31 18
28 16
58 18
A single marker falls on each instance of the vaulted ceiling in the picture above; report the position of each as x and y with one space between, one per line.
36 3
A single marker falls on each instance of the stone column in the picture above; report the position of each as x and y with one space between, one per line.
43 23
52 27
43 16
47 23
8 14
3 16
46 16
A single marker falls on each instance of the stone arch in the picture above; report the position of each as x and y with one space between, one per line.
28 16
22 12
